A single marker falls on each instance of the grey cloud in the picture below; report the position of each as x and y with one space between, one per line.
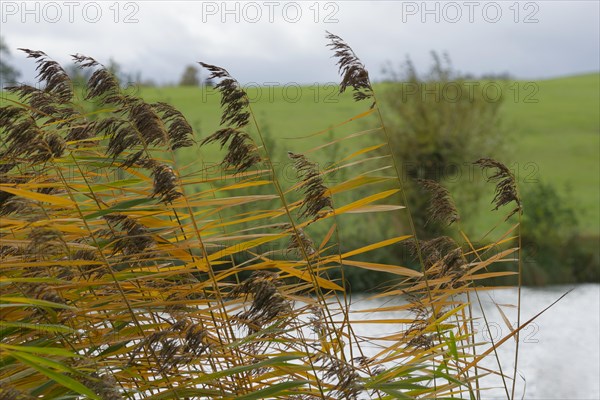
170 35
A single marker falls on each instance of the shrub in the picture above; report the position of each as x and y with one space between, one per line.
437 121
554 250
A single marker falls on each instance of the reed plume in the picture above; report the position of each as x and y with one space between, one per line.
179 130
316 194
242 151
56 79
267 301
441 206
102 85
353 71
506 186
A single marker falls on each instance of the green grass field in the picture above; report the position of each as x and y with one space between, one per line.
561 135
553 128
556 139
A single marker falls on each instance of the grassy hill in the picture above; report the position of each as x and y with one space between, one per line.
561 135
553 127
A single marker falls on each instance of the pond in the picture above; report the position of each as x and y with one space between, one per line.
559 354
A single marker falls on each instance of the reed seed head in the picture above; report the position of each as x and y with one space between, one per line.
165 179
135 239
242 153
316 193
268 304
53 75
102 85
441 206
353 71
233 98
506 186
104 385
346 378
299 241
179 130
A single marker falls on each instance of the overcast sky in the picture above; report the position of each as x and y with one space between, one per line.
279 41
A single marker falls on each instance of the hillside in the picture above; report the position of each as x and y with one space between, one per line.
556 139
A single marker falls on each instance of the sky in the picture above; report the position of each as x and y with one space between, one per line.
280 41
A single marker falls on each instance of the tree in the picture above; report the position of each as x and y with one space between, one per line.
440 122
190 77
555 250
8 74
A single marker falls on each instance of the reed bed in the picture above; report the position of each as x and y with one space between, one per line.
128 275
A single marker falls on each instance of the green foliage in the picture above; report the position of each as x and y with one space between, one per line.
439 122
189 77
554 250
553 128
8 74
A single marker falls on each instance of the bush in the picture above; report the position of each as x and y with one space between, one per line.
554 251
438 123
189 77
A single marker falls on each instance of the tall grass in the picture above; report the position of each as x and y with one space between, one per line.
126 274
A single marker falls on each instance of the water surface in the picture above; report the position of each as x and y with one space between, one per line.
559 354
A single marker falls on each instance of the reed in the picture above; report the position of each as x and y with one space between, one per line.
126 275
